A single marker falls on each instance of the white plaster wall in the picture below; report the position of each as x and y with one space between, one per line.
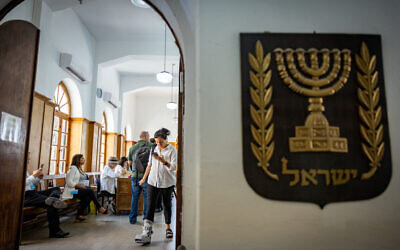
128 115
230 214
148 112
132 82
183 18
108 81
111 50
63 32
23 11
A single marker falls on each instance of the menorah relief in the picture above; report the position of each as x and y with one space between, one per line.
315 82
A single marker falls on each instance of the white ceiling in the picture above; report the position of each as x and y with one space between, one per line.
156 91
143 65
119 20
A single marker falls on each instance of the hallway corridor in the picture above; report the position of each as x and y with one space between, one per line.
100 232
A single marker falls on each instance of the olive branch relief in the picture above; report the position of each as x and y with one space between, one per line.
261 109
369 111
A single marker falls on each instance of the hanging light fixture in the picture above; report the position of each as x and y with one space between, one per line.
172 105
164 76
140 3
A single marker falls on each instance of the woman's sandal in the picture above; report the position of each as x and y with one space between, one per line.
169 234
102 210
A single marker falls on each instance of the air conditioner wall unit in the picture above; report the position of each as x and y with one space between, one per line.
70 66
110 99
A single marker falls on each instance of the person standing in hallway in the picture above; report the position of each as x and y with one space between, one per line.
137 177
162 179
48 199
159 198
75 187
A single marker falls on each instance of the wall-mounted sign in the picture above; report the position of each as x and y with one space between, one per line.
314 117
10 127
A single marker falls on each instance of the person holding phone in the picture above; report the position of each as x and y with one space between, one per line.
161 173
48 199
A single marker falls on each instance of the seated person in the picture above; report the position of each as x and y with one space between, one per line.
48 199
75 187
108 176
123 164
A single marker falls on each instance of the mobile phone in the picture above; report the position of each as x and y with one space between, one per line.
41 166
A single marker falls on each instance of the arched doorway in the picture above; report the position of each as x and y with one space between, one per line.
9 5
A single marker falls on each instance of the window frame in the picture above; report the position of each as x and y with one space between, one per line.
103 143
61 116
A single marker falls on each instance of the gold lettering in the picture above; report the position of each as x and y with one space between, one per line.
285 171
337 176
308 175
354 173
327 175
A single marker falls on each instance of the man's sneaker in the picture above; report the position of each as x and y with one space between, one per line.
54 202
145 237
59 234
133 220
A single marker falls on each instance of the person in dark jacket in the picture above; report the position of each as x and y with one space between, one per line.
48 199
137 177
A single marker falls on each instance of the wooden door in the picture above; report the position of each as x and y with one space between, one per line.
35 136
40 138
18 52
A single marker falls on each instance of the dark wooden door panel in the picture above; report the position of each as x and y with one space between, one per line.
18 53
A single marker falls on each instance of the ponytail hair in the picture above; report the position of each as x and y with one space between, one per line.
163 133
123 160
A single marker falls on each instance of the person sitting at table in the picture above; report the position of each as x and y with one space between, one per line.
122 165
48 199
75 187
109 175
108 178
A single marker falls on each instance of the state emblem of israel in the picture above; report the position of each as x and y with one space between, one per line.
314 117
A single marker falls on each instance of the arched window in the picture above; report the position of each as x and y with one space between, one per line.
103 141
60 137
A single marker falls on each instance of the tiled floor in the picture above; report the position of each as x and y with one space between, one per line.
100 232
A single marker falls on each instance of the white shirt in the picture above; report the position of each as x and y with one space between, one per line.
160 175
31 182
107 179
71 179
117 170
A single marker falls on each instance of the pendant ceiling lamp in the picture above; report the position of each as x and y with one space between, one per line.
140 3
172 105
164 76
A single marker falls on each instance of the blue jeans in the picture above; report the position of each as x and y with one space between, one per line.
136 189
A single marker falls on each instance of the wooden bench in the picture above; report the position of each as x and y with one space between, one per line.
33 216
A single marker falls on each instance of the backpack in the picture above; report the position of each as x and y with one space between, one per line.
141 158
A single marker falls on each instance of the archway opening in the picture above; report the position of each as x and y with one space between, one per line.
77 110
